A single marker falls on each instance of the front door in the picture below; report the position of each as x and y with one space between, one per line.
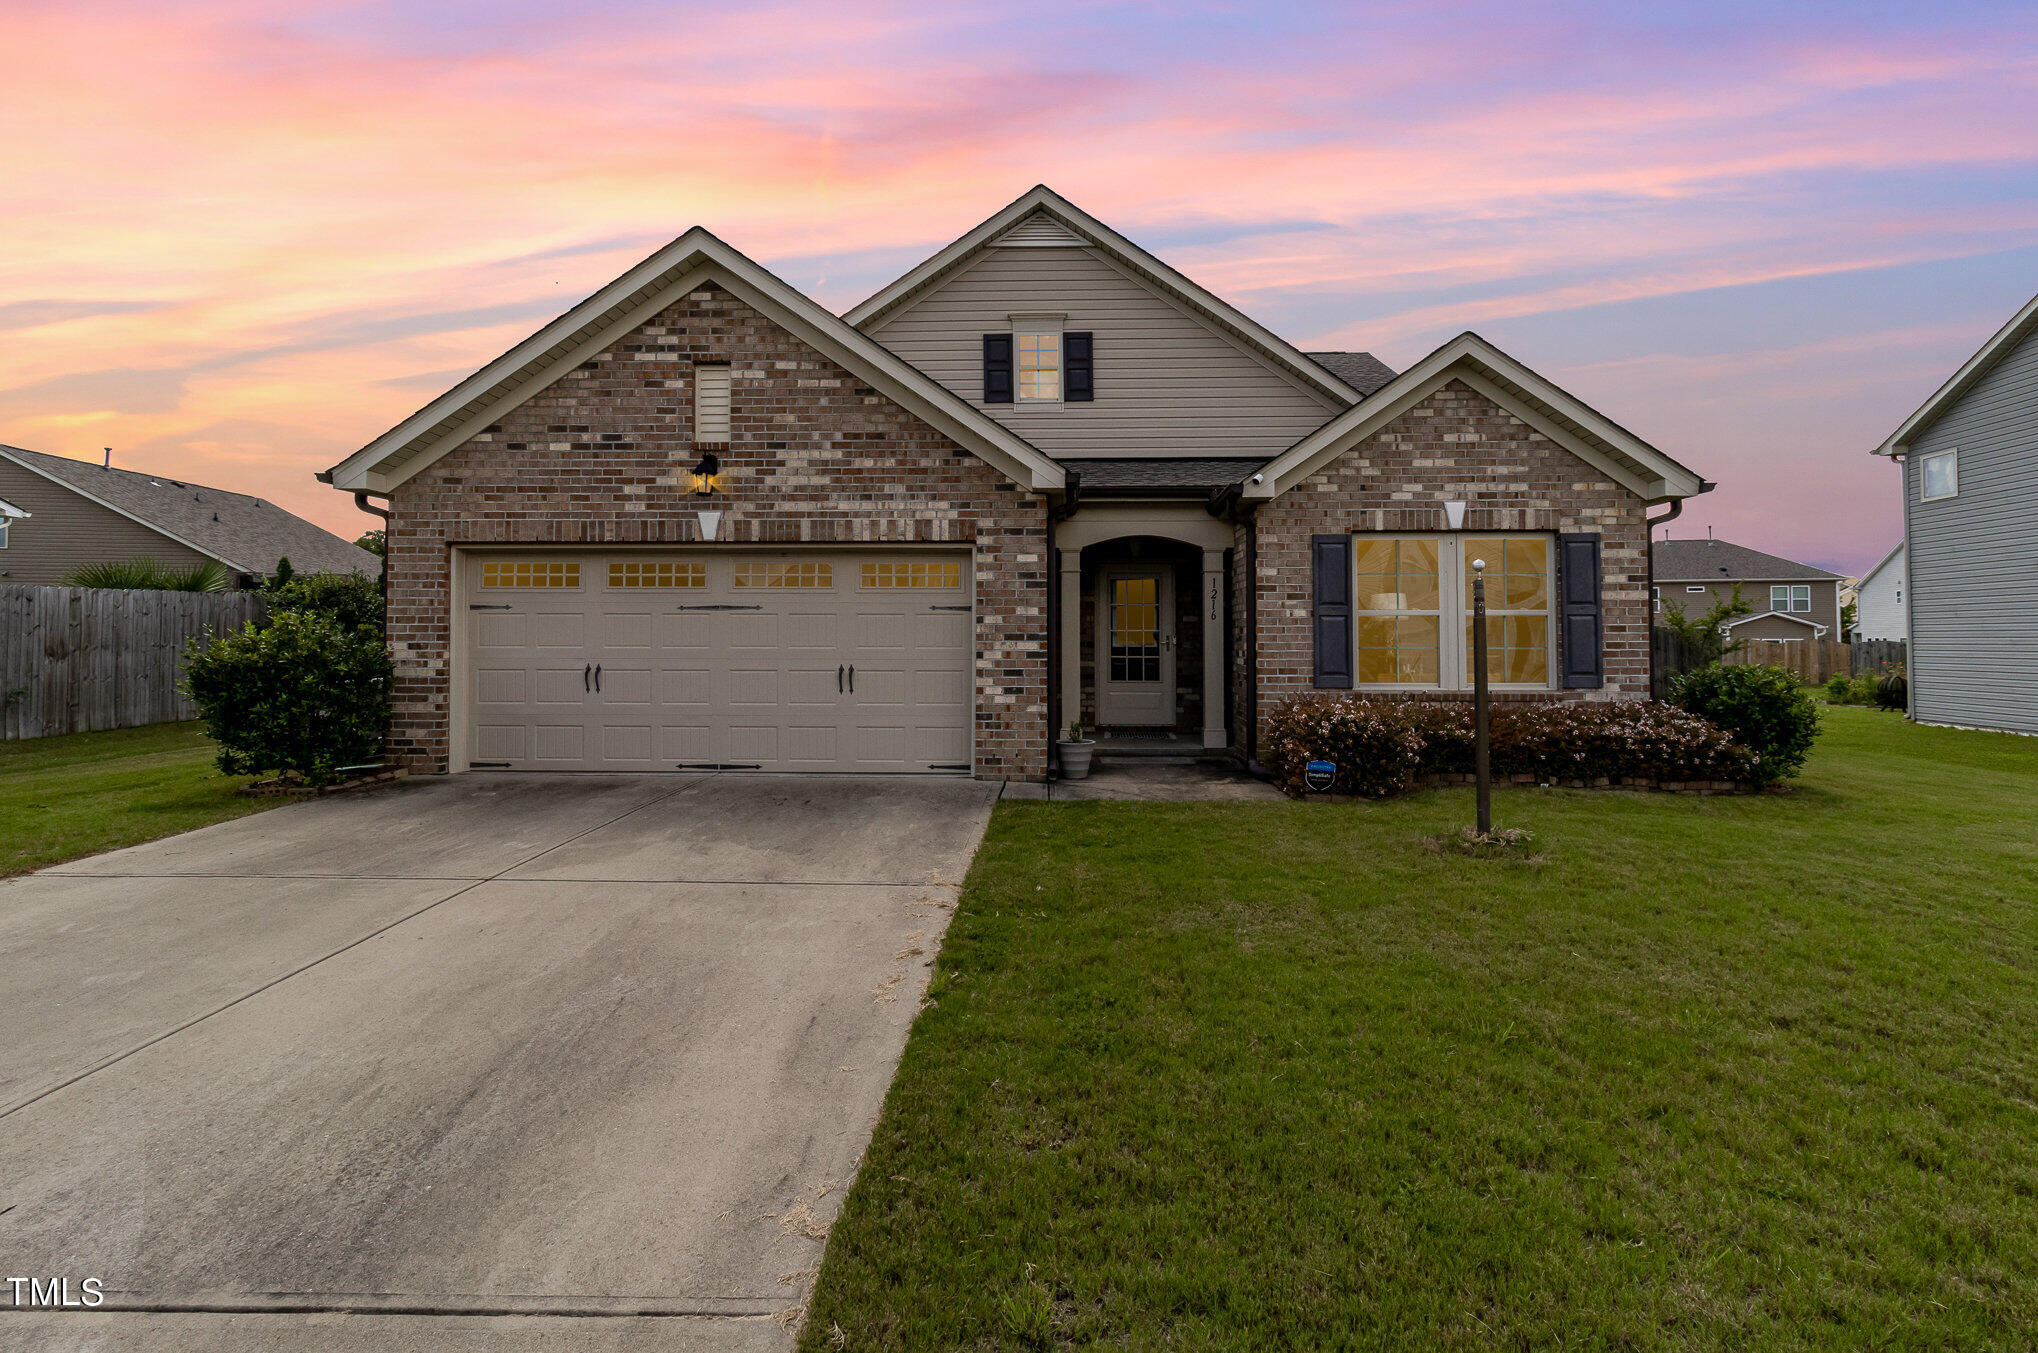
1136 647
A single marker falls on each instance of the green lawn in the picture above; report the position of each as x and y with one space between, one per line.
1744 1073
64 797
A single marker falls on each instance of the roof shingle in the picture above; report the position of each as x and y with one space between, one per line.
247 534
1361 370
1701 560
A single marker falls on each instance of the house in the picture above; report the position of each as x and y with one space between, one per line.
1969 464
701 521
58 514
1792 601
1879 600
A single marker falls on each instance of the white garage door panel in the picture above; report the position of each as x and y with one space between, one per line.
837 675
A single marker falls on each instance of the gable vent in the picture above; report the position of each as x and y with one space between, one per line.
1039 230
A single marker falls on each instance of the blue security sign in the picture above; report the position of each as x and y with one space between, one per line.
1319 776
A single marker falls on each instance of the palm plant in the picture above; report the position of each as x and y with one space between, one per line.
151 575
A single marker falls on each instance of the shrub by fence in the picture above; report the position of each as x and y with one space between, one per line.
75 659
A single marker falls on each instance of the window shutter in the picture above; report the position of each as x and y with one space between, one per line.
1079 367
1331 559
997 368
1581 637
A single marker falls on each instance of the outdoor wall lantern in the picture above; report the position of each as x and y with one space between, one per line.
707 476
1454 516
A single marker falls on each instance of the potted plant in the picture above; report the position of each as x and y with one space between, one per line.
1076 751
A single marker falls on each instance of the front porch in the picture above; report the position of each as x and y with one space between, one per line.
1143 628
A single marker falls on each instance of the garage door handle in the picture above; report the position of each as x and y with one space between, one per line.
597 676
838 678
852 678
587 678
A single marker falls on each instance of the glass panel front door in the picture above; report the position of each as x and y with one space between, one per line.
1136 660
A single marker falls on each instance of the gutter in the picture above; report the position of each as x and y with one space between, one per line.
361 501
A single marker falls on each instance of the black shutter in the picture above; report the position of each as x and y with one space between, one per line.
1079 367
997 368
1331 561
1581 637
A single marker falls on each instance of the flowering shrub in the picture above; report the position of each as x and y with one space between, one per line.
1381 747
1377 747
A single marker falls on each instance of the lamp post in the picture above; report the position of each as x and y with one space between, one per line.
1482 757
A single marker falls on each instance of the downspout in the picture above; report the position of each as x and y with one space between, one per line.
1902 461
382 581
1676 510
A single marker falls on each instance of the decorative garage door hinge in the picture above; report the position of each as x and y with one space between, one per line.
943 765
963 607
481 606
488 765
721 608
718 765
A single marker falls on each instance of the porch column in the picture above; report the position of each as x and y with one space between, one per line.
1071 639
1212 602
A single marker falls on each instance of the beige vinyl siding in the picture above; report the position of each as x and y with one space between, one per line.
1973 596
68 530
1168 384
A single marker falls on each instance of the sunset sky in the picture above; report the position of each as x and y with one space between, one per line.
239 245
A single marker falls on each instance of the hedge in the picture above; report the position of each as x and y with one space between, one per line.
1383 747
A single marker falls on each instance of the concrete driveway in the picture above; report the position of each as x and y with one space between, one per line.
505 1061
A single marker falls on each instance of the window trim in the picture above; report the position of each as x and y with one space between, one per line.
5 523
1454 654
1039 326
1951 455
1790 598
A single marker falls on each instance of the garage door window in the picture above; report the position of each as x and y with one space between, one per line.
531 573
784 573
657 573
911 573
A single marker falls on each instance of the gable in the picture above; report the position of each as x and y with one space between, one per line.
1587 434
65 530
693 260
2015 345
1042 216
1168 383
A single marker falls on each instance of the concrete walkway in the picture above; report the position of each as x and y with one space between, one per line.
1156 781
516 1062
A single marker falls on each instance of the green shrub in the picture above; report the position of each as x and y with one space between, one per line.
1839 689
349 600
150 575
1381 747
300 696
1764 708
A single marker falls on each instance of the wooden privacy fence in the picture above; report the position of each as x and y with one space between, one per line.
1812 659
1876 656
73 659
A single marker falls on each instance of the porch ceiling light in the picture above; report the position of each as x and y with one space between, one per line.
1454 516
707 476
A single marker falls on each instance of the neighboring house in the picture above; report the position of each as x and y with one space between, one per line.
700 521
1879 603
79 513
1969 458
1792 601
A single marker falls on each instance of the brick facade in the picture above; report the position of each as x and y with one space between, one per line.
815 456
1455 444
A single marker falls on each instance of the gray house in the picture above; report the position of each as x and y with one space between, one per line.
57 514
1792 601
1969 458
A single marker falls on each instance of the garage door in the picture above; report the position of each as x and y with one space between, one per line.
784 661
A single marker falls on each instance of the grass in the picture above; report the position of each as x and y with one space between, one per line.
83 793
1693 1074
